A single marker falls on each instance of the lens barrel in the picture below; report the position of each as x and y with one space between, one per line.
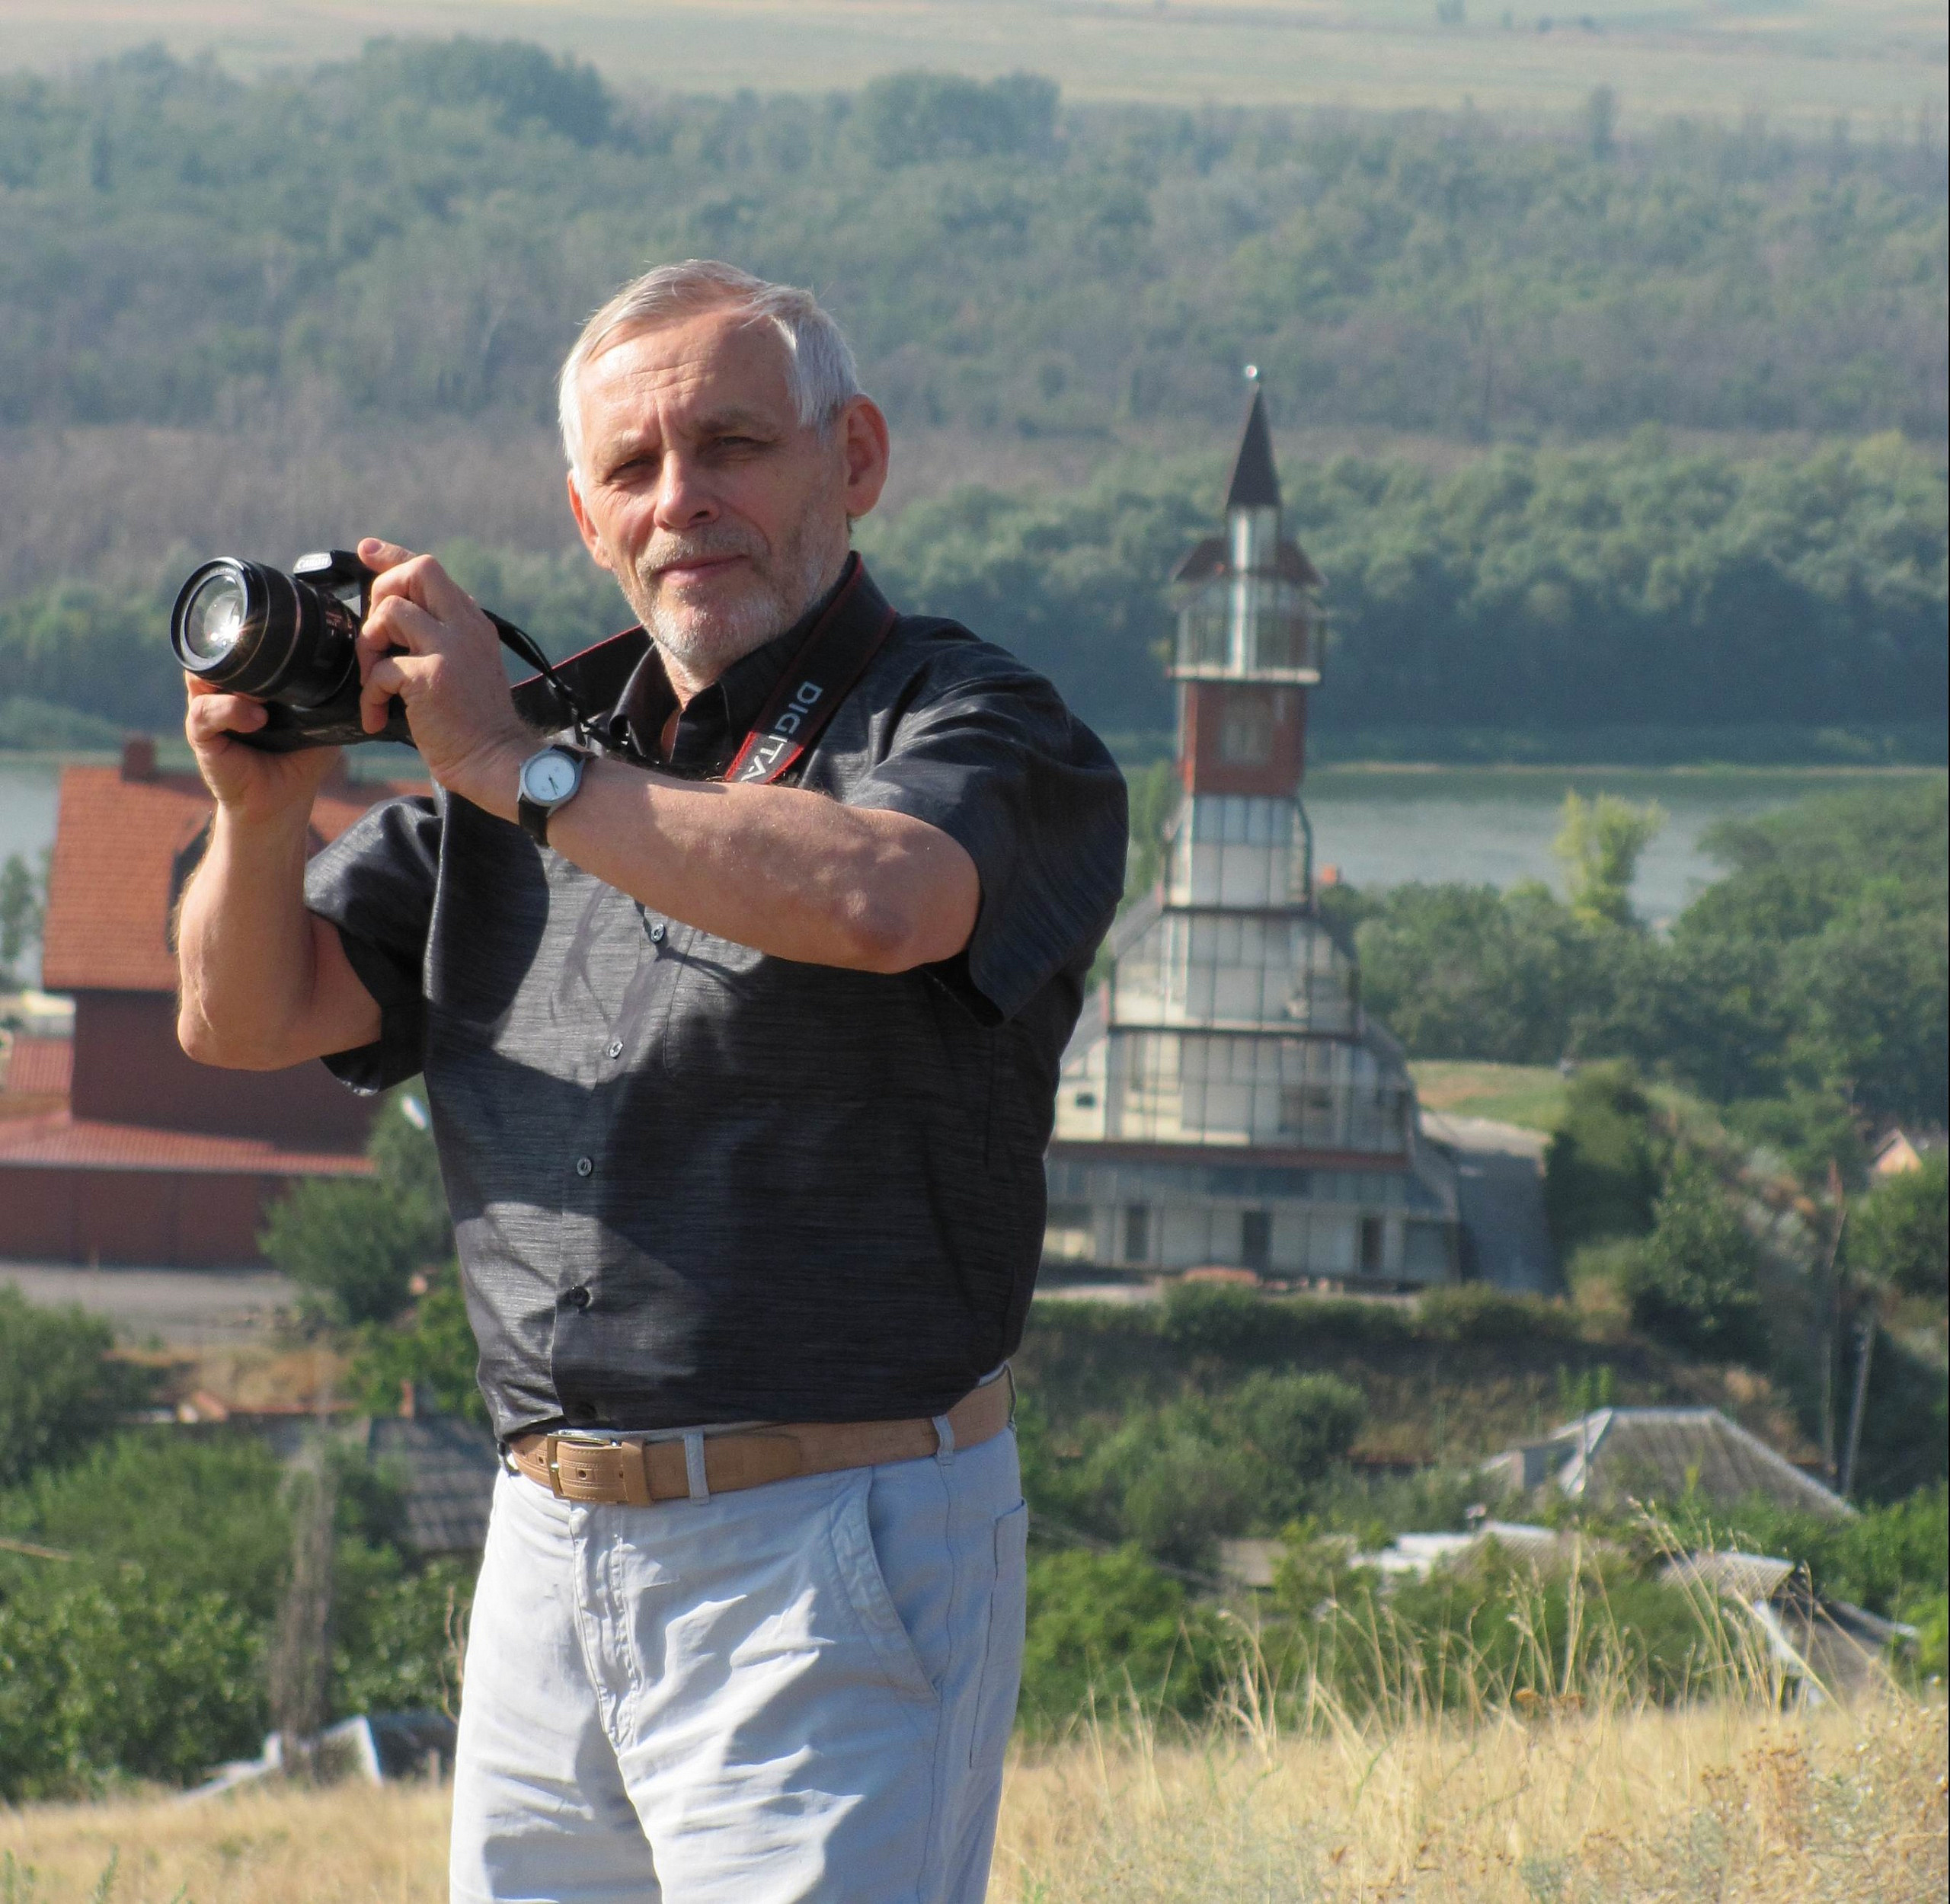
250 629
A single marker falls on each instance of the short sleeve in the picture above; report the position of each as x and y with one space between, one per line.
998 764
376 883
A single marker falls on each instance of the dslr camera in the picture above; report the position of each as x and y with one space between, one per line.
287 640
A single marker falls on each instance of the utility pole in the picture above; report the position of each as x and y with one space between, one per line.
1866 1349
1828 1296
300 1662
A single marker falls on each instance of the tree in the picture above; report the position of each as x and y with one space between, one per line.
1599 847
1601 1172
1896 1234
1697 1283
23 909
61 1388
1601 121
354 1245
432 1348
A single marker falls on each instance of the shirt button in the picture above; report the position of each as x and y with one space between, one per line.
657 935
584 1165
578 1298
616 1048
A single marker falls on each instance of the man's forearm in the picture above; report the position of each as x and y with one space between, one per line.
789 872
246 948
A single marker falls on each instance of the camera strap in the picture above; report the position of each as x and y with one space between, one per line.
830 660
845 637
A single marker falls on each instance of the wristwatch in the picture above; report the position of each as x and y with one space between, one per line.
549 780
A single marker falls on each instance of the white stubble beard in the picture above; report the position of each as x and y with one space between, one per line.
702 643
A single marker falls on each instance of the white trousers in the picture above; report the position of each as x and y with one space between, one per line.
800 1692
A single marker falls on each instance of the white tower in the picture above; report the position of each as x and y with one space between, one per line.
1224 1100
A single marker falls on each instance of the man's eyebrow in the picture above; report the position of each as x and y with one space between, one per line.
733 421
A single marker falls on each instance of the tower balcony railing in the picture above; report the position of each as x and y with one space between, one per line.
1249 628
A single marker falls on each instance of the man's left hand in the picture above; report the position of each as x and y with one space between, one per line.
426 641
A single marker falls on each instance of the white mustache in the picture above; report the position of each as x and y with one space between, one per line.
695 548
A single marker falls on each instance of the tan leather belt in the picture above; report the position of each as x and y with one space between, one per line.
641 1473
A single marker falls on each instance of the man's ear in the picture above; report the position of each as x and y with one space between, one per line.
865 451
590 540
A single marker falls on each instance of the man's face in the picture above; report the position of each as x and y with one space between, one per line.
721 515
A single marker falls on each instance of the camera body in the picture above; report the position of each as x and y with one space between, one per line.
286 641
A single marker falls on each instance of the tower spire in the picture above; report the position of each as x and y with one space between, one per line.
1255 483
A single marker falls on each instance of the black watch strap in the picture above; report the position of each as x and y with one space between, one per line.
534 815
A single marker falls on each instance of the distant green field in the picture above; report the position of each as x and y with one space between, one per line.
1879 63
1532 1095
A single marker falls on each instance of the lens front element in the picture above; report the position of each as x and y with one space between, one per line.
213 618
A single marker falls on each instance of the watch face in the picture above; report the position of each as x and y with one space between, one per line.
549 777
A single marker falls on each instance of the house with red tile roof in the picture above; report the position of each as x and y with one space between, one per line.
114 1147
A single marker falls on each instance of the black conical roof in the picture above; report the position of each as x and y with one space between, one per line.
1255 483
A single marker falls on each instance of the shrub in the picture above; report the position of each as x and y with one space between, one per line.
121 1671
405 1656
1295 1427
60 1391
1214 1318
1475 1312
1600 1174
1105 1628
1182 1492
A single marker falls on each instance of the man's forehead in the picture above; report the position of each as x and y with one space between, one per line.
713 360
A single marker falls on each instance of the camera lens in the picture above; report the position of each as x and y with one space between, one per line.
213 617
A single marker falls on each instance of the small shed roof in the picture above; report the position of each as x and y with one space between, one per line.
1612 1454
447 1467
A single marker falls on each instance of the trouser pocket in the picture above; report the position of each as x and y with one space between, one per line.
868 1593
1001 1657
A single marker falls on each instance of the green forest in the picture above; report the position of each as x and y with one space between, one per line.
1688 388
421 229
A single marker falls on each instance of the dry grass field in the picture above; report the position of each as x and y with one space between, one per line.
1803 62
1729 1804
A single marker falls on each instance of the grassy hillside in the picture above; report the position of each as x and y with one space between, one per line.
1804 64
1770 1810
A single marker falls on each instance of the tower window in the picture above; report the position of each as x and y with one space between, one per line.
1256 1240
1245 730
1137 1233
1305 1106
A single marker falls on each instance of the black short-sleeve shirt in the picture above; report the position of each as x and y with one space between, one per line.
691 1183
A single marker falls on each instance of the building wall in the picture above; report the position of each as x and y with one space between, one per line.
182 1219
129 1069
1242 737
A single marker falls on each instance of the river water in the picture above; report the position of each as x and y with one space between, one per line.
1378 825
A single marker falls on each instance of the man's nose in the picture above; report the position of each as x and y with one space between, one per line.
683 494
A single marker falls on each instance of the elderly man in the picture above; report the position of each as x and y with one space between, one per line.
740 1023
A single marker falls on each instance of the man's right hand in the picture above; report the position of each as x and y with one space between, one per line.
248 784
263 982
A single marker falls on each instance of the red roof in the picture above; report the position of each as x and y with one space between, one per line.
63 1142
116 848
38 1067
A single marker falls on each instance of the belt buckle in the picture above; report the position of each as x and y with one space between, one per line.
552 1444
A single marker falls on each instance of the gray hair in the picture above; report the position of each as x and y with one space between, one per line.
820 368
